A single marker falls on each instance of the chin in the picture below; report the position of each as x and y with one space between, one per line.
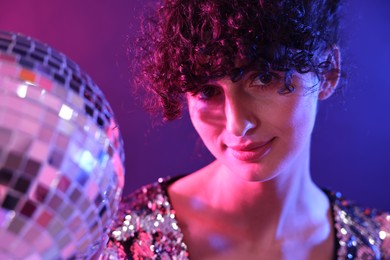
260 177
253 172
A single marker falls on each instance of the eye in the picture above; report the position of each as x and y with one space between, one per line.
263 79
208 92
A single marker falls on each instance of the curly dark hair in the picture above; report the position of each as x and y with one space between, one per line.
185 43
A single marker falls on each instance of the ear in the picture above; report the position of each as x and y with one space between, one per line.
330 78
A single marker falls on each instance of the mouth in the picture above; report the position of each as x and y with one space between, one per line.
250 152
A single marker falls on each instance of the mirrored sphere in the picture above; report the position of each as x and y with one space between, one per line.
61 155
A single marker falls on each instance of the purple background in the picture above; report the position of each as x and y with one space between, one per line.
351 142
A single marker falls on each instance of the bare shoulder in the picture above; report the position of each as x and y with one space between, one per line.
191 184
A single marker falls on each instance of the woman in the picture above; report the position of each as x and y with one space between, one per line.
251 73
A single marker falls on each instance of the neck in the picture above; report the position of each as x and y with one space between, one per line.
281 204
227 189
286 192
285 212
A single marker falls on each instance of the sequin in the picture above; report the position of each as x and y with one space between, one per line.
360 233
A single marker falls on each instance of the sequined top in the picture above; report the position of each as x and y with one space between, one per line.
146 228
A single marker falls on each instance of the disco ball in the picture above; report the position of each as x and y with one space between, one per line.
61 155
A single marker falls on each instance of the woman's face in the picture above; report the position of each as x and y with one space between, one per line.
255 132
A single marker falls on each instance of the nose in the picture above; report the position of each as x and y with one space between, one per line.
239 120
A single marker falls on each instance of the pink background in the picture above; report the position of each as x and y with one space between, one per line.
351 142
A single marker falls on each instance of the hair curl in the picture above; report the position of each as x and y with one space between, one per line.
185 43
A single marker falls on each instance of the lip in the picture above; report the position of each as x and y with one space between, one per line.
250 152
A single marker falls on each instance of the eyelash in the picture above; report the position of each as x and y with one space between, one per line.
260 76
204 92
203 95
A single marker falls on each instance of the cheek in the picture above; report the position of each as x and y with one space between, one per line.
301 118
204 117
207 127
